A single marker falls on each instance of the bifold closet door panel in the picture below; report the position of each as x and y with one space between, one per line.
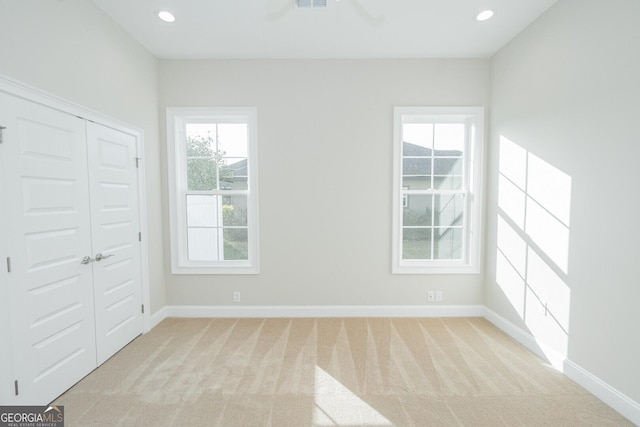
46 207
115 228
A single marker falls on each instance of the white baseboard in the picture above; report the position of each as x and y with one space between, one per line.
156 318
326 311
603 391
554 358
594 385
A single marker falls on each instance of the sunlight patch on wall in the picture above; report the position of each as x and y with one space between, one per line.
550 187
549 209
551 236
513 162
532 259
548 299
512 201
511 265
336 405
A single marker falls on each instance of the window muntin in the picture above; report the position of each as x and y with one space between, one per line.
212 154
436 189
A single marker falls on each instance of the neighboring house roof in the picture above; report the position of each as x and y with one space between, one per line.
239 171
422 164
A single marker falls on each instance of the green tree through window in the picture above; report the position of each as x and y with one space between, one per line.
205 164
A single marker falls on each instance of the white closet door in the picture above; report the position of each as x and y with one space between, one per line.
115 227
44 165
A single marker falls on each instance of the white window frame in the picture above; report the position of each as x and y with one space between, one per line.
177 118
472 186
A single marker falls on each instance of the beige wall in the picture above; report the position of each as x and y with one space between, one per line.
71 49
567 91
325 156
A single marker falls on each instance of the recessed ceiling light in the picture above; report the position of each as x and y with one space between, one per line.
166 16
484 15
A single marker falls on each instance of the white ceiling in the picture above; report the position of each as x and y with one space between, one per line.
344 29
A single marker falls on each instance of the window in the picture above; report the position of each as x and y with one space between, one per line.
436 193
212 156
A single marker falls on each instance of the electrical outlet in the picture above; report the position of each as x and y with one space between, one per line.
438 296
236 296
431 296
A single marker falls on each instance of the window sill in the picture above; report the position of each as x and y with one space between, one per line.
435 269
226 269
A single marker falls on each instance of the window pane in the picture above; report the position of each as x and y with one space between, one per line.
233 139
448 244
449 137
416 243
416 173
236 244
202 211
202 244
417 139
201 174
234 173
447 173
449 182
447 166
201 156
449 210
234 211
201 139
416 182
418 210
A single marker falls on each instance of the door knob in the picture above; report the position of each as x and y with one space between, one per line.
100 257
87 260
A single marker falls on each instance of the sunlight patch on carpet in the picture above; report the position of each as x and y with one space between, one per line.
336 405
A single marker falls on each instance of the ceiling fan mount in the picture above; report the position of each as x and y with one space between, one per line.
277 9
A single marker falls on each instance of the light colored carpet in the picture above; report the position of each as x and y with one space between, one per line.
329 372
